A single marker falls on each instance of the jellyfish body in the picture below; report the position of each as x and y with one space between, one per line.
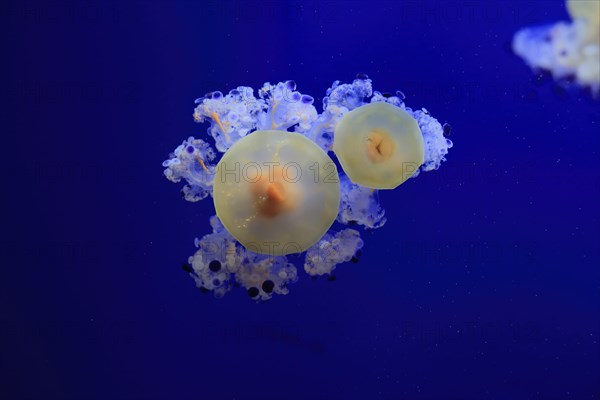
379 145
585 10
566 49
276 192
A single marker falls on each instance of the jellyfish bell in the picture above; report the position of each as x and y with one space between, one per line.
585 10
379 145
276 192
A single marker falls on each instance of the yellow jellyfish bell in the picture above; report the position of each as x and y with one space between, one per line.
276 192
378 145
585 9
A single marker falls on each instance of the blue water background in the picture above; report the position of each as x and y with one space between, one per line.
483 284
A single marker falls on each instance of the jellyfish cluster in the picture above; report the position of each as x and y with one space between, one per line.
281 200
568 50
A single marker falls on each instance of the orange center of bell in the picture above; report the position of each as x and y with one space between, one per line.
271 194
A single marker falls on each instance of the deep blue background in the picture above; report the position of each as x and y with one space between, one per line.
484 283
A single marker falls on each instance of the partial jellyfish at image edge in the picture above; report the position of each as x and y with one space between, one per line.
567 50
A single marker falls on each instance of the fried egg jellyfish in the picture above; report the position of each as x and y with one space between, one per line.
276 193
379 145
295 208
566 49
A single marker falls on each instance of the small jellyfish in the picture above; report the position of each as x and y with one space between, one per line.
568 50
379 145
276 192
